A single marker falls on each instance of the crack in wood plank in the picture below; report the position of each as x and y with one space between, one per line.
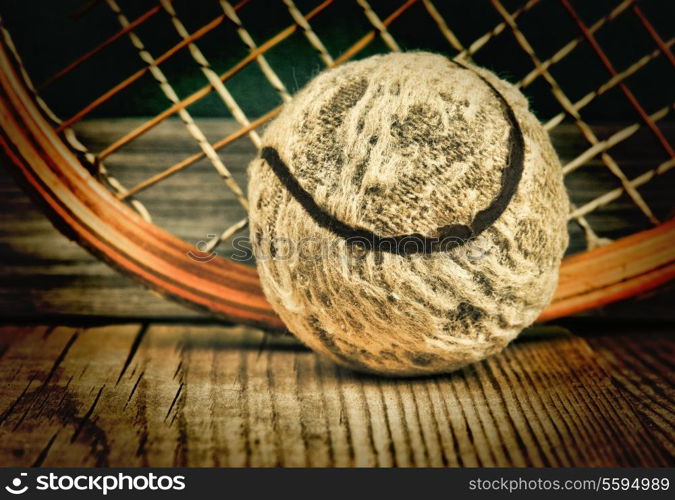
132 351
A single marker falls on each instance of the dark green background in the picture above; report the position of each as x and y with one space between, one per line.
49 35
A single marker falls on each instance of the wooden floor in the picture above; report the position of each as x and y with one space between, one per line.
185 395
135 380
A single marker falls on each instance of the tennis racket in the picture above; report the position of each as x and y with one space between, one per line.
77 180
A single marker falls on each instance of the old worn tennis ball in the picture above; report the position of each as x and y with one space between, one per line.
408 214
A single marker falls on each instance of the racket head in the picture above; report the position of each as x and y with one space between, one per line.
610 201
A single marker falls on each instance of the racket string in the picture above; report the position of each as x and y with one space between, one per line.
214 81
592 239
663 47
612 141
69 135
170 93
191 160
608 85
443 27
98 48
379 26
359 45
309 33
590 38
482 41
116 89
541 68
204 91
565 50
569 108
614 194
246 37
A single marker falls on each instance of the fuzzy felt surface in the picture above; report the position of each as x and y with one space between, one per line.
407 144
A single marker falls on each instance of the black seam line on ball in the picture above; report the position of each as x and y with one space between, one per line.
447 237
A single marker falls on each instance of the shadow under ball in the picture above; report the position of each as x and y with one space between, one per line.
408 214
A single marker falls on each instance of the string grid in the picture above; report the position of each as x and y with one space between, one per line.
510 23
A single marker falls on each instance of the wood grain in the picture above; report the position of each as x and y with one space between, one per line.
643 369
163 395
158 390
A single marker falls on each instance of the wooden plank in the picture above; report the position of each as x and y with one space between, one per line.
643 368
45 274
164 395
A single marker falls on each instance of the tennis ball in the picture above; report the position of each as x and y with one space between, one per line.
408 214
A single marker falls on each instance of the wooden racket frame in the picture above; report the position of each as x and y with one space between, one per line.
86 211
